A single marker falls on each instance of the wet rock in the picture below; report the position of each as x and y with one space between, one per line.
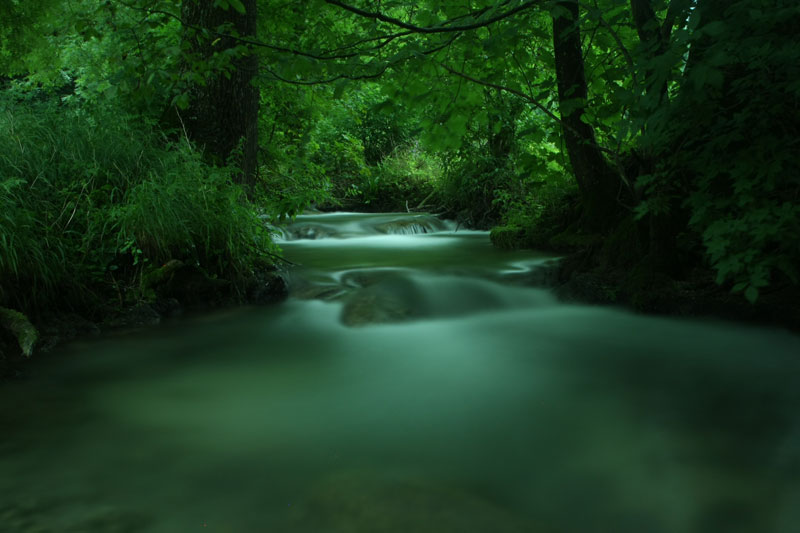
267 287
191 286
411 226
139 315
318 292
57 329
167 307
371 306
308 231
403 227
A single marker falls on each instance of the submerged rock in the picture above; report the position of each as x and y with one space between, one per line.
308 231
375 307
411 226
378 297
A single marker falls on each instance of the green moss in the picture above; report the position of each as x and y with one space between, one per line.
509 237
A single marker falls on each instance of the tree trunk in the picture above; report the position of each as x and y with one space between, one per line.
598 182
655 44
224 112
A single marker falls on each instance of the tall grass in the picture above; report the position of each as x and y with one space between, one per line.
89 200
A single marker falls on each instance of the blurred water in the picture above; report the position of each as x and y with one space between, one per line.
415 382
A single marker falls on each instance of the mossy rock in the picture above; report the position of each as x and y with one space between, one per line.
509 237
19 325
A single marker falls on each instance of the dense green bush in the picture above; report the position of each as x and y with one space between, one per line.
732 134
90 199
471 184
406 179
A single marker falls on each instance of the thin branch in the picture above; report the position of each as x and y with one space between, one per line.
244 40
474 14
503 88
524 75
520 94
370 39
615 35
327 80
441 28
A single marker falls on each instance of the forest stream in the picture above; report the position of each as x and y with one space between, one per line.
416 381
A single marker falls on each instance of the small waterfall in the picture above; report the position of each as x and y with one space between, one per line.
348 225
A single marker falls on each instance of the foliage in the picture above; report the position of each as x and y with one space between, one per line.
733 137
90 199
691 104
19 325
406 179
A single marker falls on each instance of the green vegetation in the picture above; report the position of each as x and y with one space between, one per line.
654 136
92 200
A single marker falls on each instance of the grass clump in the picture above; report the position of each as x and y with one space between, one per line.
406 179
90 200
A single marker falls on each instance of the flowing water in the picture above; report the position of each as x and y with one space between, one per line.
416 381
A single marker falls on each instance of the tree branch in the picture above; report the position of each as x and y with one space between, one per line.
252 42
509 90
327 80
441 28
519 94
614 35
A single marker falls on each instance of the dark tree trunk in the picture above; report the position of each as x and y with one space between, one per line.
598 182
224 112
655 42
662 227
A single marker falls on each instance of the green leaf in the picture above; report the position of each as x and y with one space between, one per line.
238 6
181 100
714 29
751 294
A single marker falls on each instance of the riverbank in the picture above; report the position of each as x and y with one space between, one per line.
616 269
578 278
695 296
186 290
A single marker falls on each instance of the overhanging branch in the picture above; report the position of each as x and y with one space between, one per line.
528 98
441 28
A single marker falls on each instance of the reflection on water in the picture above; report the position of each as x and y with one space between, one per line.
465 401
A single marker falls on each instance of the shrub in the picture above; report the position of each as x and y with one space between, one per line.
732 133
89 199
405 179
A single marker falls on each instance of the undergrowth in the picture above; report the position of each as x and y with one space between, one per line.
90 200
